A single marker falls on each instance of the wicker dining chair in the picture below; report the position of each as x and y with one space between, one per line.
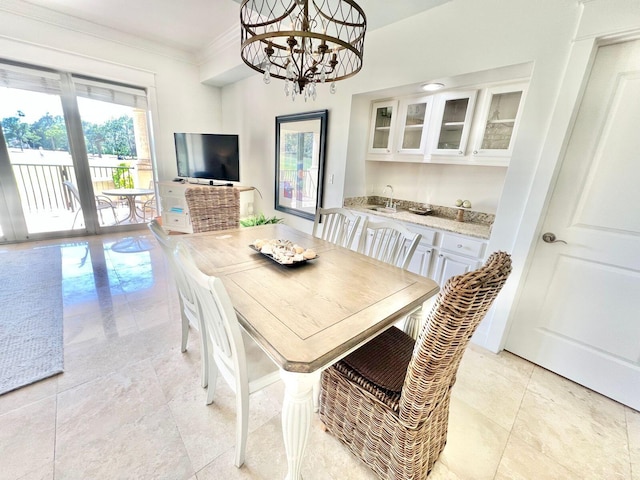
188 306
213 208
336 225
388 401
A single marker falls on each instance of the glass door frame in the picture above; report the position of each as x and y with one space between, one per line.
12 220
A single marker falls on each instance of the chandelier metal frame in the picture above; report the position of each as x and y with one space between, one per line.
304 42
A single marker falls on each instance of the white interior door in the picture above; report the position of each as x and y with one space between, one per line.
579 314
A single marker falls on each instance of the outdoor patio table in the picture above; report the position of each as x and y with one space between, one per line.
130 194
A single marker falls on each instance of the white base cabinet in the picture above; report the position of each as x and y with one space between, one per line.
440 255
449 265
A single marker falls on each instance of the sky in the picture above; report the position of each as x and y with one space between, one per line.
34 105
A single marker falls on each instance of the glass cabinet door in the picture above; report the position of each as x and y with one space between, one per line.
382 123
414 114
500 115
456 110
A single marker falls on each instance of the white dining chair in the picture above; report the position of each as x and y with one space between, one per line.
232 352
188 307
336 225
390 242
393 243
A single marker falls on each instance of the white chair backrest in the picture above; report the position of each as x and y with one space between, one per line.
339 226
389 242
168 247
218 316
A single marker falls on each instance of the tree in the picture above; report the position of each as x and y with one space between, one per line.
15 129
57 136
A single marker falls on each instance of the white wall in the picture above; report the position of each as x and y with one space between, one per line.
453 39
179 101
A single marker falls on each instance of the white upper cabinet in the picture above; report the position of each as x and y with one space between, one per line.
448 127
498 120
383 117
452 117
399 129
412 127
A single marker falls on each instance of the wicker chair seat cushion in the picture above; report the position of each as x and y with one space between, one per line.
380 365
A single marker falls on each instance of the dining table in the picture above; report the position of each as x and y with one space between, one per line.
130 195
307 315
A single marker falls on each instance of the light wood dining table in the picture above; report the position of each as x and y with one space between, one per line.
308 316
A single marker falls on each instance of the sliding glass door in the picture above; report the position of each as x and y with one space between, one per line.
36 154
68 144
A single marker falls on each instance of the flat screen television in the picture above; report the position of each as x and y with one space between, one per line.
208 155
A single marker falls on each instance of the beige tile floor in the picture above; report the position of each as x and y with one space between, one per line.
129 404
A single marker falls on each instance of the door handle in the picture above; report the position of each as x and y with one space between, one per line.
551 238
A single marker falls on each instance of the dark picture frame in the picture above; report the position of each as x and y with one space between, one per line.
300 158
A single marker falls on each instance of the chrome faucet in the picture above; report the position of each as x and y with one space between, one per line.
389 204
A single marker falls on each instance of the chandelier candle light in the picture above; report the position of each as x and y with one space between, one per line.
303 42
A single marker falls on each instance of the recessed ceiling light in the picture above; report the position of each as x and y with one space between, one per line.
432 87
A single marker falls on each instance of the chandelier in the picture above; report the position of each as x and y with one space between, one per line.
303 42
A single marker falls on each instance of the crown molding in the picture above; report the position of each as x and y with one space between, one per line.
76 25
227 39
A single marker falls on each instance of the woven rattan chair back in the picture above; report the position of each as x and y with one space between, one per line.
188 306
336 225
399 428
389 242
460 306
213 208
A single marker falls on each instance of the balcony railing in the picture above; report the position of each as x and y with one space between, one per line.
41 185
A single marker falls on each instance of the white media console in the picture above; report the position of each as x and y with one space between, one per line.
175 212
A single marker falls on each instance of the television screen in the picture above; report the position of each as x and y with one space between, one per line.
208 155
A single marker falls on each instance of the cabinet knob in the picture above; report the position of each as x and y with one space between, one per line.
459 245
460 152
475 152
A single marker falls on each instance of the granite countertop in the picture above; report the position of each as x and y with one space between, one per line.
476 224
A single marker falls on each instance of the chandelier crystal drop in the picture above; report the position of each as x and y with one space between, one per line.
303 42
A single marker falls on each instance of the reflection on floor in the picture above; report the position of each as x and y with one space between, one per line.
129 404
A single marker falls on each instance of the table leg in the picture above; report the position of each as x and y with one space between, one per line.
297 409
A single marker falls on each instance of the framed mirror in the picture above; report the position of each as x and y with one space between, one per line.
300 151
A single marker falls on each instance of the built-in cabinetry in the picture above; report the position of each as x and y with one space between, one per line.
452 122
499 116
441 255
471 126
399 128
175 212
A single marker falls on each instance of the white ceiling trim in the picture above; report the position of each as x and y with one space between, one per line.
78 25
228 39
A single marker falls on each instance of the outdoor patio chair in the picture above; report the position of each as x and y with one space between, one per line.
213 208
102 203
388 401
147 204
232 352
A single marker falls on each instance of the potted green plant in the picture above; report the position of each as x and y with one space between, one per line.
259 219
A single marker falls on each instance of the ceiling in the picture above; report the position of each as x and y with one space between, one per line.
186 25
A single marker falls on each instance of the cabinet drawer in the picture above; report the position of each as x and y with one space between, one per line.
428 236
171 191
462 245
172 220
